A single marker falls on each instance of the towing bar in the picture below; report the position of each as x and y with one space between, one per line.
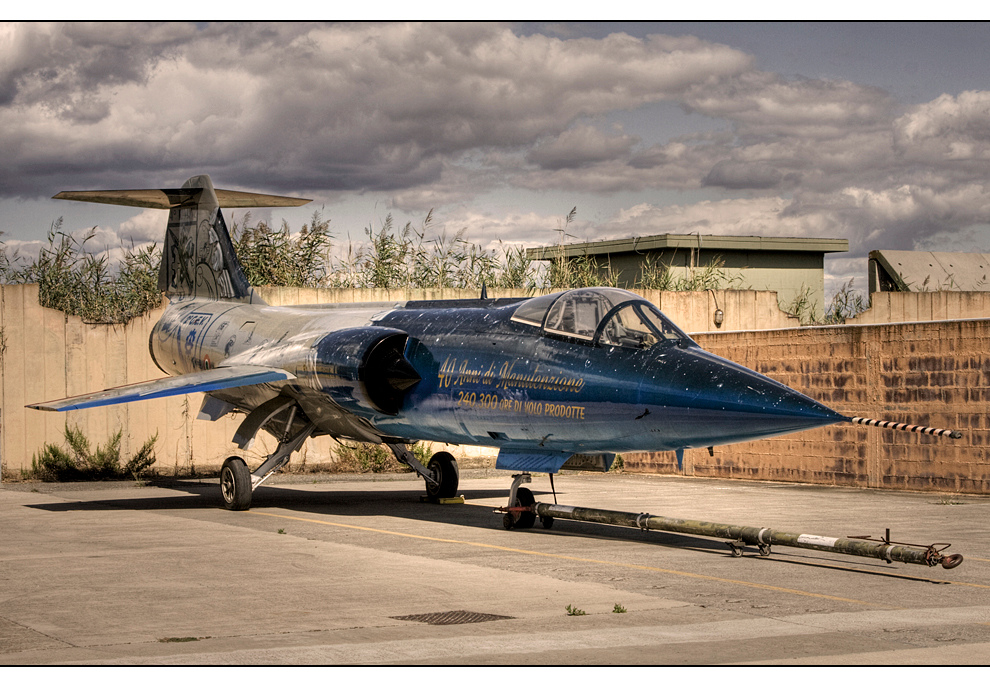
761 537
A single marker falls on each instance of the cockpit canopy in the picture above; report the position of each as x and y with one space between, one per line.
602 316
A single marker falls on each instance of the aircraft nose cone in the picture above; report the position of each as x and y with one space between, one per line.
743 390
715 401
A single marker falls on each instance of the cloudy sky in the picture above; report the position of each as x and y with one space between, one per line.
879 133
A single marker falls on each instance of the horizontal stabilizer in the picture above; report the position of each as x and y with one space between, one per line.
167 198
208 380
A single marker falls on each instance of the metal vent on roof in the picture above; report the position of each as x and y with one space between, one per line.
452 617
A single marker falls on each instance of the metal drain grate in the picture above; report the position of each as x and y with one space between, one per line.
452 617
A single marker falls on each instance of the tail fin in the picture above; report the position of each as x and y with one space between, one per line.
198 257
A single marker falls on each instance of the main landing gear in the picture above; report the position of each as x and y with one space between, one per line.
281 417
237 484
441 473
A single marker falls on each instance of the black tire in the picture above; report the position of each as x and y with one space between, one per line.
525 519
235 484
444 469
547 522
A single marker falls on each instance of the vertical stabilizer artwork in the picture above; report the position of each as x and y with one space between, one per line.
198 258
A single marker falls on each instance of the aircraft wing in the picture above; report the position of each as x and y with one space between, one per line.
208 380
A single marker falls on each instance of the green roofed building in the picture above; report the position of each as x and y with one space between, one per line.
793 267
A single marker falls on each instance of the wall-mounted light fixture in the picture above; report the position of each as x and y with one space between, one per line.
719 317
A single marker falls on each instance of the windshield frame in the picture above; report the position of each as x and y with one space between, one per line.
677 337
550 299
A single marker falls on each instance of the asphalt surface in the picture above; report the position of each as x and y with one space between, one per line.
325 571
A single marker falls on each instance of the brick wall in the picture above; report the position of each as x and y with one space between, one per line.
930 373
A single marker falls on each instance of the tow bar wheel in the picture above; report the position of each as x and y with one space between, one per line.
521 519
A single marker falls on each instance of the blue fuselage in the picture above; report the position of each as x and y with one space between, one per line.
490 381
487 379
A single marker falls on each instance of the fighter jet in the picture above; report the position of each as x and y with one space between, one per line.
558 381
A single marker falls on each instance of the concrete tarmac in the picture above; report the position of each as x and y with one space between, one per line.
327 571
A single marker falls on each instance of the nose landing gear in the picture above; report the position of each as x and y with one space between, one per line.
520 514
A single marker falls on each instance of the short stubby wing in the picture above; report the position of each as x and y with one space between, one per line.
208 380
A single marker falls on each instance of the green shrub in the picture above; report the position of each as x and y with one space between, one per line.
56 464
53 464
363 457
81 283
276 257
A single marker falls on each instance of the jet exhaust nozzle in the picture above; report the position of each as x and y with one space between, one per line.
365 368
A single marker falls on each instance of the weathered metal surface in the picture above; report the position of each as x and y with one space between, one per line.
762 537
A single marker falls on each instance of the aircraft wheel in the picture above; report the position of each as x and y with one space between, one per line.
444 469
526 519
235 484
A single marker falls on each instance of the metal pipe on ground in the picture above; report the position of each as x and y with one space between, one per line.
761 537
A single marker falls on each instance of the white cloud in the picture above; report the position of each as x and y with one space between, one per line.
378 106
440 115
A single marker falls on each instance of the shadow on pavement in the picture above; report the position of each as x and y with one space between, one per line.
199 496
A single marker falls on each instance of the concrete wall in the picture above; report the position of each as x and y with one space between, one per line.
692 311
935 374
893 306
48 355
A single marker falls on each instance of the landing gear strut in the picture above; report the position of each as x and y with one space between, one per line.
237 484
441 474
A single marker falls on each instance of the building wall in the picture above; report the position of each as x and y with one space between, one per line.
890 306
792 274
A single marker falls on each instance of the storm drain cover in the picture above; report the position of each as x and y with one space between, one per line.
452 617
